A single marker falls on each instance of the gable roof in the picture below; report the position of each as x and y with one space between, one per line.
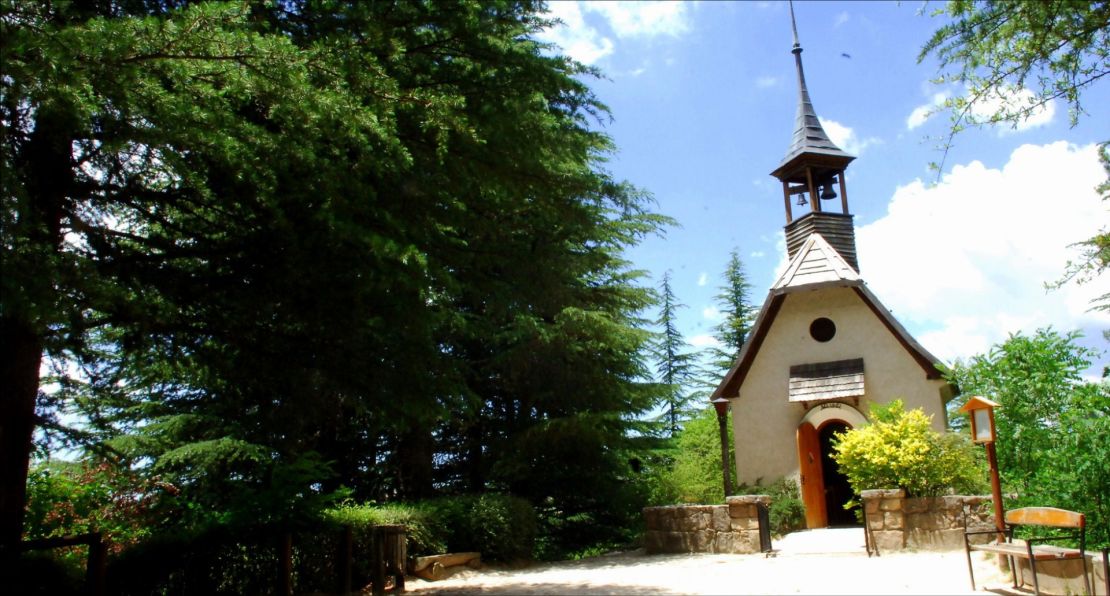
818 265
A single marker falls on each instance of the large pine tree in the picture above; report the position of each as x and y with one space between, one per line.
281 248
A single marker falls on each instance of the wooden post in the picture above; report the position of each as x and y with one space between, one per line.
786 200
397 553
724 454
843 192
814 198
96 566
996 493
377 561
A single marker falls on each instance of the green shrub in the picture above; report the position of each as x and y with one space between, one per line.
692 472
422 529
900 449
501 527
787 512
69 498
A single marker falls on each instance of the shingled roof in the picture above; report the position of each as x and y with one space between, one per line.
817 265
826 380
810 144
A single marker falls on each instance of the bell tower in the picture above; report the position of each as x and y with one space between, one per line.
811 173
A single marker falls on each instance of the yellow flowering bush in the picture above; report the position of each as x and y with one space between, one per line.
899 449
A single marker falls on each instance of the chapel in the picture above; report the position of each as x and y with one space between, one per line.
823 347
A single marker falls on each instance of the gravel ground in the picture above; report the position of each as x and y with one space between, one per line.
634 572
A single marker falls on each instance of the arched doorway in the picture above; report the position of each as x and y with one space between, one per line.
824 489
837 490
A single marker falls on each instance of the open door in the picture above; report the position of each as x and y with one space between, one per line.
838 491
812 479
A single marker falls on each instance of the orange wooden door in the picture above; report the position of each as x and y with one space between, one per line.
813 481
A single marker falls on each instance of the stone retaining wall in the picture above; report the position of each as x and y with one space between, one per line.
897 523
729 528
926 523
1064 577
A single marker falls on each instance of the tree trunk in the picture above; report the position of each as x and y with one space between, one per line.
30 301
19 379
414 455
476 476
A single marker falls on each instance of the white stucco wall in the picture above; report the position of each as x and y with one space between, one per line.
765 422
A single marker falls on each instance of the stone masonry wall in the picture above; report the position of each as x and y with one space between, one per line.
927 523
897 523
729 528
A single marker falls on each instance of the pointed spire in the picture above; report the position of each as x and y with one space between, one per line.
809 136
813 166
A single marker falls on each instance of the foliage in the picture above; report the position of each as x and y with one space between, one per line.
1094 253
501 527
71 498
423 527
605 514
692 472
1014 57
899 449
675 366
787 511
1053 427
282 253
737 312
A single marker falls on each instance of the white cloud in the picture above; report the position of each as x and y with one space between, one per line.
923 112
982 110
840 19
966 260
1010 99
919 115
577 39
765 82
587 44
643 19
780 249
705 341
711 313
845 138
703 278
758 254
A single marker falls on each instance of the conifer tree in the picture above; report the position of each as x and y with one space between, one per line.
738 315
293 246
675 365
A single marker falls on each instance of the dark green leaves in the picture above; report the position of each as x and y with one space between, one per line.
282 249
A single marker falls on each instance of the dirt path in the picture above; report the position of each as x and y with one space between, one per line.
788 573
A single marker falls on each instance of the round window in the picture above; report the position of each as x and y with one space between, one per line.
822 329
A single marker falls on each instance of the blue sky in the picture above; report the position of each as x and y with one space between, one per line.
703 97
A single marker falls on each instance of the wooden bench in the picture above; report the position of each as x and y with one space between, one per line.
1048 517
